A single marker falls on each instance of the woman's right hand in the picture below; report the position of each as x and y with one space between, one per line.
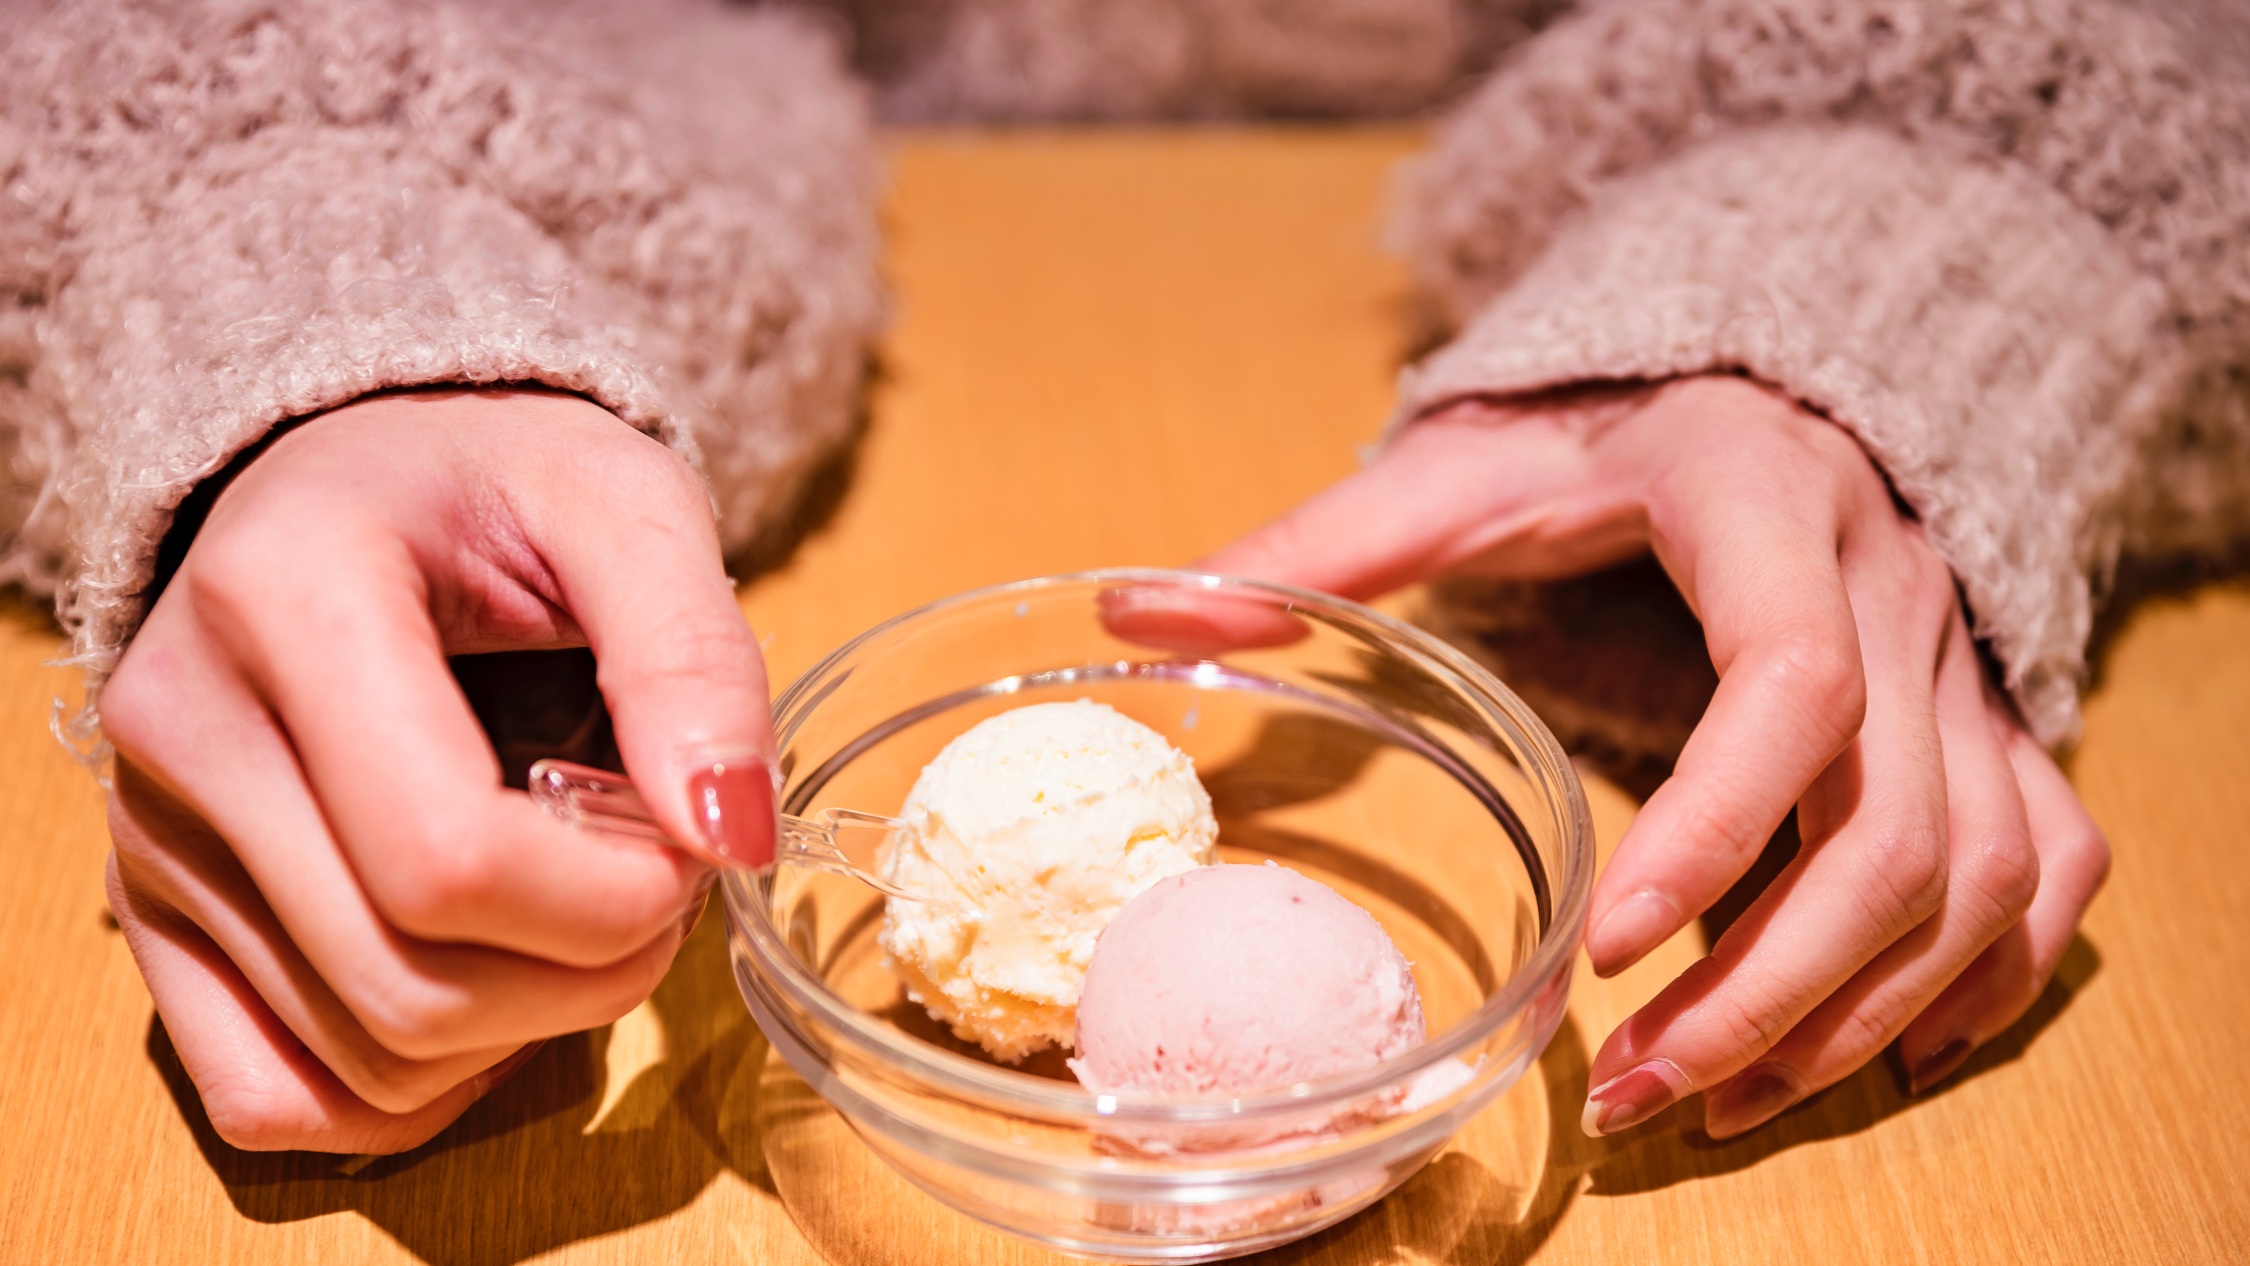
350 928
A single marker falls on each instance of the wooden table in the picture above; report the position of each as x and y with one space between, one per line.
1126 348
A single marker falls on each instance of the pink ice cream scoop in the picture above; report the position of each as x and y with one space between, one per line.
1235 979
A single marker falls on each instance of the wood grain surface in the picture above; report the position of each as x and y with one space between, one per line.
1125 348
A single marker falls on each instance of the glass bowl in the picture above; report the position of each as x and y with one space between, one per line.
1333 739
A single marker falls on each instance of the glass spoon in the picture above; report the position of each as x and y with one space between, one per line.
598 800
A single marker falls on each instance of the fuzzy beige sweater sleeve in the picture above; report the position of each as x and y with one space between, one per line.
2006 242
226 213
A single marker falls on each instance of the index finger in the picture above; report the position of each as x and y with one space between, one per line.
1757 558
1510 492
1451 489
411 789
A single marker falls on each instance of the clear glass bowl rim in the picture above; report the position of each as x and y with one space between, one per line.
937 1068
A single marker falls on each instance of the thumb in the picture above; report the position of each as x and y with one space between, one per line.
1458 487
678 665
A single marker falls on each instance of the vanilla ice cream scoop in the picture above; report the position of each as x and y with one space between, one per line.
1043 821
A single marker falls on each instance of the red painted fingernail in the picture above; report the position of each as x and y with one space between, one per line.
1938 1065
1751 1099
1626 1100
733 802
1632 928
485 1081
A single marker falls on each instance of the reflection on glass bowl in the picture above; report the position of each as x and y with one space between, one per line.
1335 740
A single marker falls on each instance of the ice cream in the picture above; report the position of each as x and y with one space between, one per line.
1236 979
1045 821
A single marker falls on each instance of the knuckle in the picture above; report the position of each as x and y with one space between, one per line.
437 880
684 484
1717 824
405 1017
1819 666
1907 876
131 710
1751 1028
251 1119
1824 671
708 654
1869 1028
1751 1014
2004 868
654 475
228 571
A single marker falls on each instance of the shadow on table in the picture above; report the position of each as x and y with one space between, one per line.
1458 1211
20 612
548 1159
1670 1149
2141 583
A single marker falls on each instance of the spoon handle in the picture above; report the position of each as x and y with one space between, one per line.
597 800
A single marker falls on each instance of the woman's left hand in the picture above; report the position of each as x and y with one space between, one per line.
1945 861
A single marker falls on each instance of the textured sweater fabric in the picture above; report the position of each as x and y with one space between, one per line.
223 214
2006 242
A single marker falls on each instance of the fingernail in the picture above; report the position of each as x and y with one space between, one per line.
1632 928
1938 1065
733 800
485 1081
1752 1098
1630 1098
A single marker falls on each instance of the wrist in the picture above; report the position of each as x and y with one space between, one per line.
1590 408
